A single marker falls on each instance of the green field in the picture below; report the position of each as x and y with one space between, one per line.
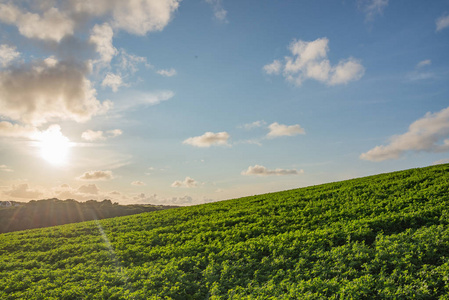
378 237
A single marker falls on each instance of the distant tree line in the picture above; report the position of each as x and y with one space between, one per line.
52 212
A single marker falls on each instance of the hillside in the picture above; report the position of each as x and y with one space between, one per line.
52 212
378 237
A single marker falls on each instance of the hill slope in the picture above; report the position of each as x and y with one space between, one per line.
383 236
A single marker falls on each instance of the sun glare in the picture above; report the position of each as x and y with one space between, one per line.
54 145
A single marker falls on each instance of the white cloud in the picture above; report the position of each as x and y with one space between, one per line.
372 8
101 37
114 132
136 16
255 124
187 183
208 139
309 61
424 63
138 183
91 135
130 62
8 129
96 176
50 61
250 142
262 171
52 24
415 76
142 16
418 73
7 55
442 22
427 134
23 191
219 12
346 71
5 168
89 189
167 73
277 130
39 93
114 81
274 68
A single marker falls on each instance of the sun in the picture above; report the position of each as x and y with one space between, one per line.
54 146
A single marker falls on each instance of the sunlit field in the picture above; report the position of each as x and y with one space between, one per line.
384 236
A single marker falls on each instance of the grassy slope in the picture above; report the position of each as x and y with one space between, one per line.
384 236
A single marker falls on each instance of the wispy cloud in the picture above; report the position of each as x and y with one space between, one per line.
255 124
209 139
138 183
259 170
274 68
167 72
372 8
91 135
442 22
420 72
5 168
219 12
427 134
135 99
309 61
423 63
114 81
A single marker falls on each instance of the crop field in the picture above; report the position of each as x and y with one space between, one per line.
379 237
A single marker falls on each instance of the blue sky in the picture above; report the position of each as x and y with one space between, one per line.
187 102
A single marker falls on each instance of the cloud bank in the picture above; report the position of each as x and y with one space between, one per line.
22 191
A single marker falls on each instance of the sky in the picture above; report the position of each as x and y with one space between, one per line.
188 102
